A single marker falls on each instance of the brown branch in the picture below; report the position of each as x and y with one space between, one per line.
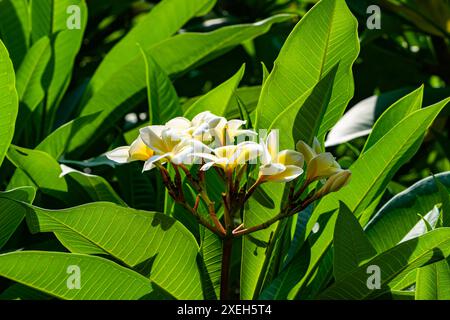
283 214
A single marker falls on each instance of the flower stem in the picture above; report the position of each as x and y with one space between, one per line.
227 246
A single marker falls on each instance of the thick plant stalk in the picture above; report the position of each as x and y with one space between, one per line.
227 246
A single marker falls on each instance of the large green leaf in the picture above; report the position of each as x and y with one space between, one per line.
351 246
125 88
39 169
41 18
249 97
92 188
162 98
15 28
374 168
54 145
370 175
395 113
218 99
307 112
433 281
154 243
394 263
358 121
50 272
280 287
445 199
137 189
29 81
19 291
325 37
159 24
8 101
55 19
66 44
211 263
9 219
400 214
42 170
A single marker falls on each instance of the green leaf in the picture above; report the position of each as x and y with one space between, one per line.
324 37
137 189
426 223
65 44
444 193
54 145
29 81
152 242
358 121
399 215
18 291
42 170
10 220
265 73
394 263
351 246
304 116
247 95
125 88
162 98
50 272
393 115
15 28
52 19
211 263
41 18
164 20
95 188
8 101
433 282
371 173
282 284
374 168
218 99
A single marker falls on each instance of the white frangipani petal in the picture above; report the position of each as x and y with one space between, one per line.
150 163
119 155
279 166
179 123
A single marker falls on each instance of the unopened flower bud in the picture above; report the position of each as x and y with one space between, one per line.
322 166
309 152
336 182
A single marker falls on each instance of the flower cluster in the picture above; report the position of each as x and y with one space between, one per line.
211 141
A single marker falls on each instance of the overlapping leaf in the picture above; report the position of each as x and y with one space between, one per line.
324 37
50 272
8 101
153 243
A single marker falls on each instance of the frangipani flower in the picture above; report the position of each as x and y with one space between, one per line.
226 131
203 122
200 124
277 166
229 157
138 150
320 164
169 144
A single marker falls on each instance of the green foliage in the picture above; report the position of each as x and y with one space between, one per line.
68 96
